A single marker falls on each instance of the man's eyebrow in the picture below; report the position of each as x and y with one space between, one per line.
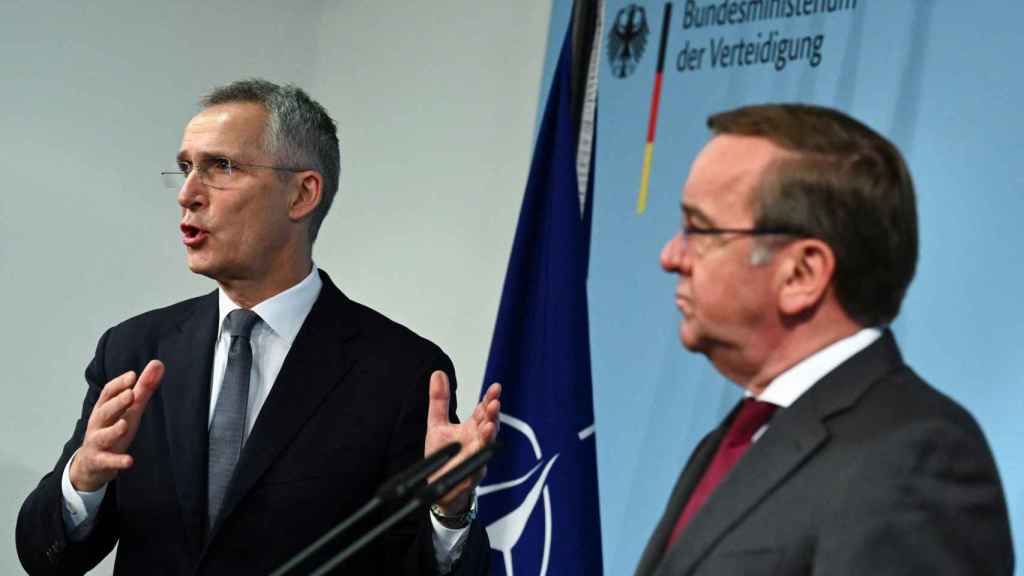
694 213
183 156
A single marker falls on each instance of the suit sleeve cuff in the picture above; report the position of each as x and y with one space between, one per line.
448 544
79 508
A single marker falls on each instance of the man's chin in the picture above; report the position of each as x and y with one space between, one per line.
199 265
689 337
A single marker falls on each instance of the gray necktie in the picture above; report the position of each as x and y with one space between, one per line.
227 431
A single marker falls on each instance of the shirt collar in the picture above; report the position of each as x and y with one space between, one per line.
283 313
791 384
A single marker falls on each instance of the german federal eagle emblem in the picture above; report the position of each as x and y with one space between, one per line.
627 39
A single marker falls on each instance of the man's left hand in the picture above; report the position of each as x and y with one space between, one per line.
473 434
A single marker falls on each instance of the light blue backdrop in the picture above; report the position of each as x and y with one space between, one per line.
943 80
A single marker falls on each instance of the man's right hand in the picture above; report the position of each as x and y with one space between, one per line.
112 425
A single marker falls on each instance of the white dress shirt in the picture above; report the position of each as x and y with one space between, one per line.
271 339
785 388
282 316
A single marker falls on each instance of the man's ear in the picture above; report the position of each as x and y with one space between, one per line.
306 195
804 275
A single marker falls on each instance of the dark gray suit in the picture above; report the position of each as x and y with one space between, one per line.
871 471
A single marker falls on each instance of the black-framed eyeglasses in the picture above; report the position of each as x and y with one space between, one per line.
702 248
756 231
215 172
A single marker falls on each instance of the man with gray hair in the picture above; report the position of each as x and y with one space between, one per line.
223 434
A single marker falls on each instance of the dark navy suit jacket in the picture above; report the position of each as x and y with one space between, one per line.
347 411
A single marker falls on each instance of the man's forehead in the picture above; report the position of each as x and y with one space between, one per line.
727 171
225 127
740 149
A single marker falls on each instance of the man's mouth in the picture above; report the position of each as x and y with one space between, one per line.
192 236
682 303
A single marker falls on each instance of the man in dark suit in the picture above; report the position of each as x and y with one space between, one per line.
798 243
223 434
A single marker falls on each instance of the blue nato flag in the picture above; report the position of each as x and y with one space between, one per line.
539 501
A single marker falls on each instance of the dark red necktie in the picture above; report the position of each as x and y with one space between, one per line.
749 419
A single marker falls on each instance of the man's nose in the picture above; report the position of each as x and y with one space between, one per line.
675 258
192 191
671 253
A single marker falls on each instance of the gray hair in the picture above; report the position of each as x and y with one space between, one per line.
299 132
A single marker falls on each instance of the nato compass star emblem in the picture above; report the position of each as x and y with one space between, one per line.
627 39
505 532
531 490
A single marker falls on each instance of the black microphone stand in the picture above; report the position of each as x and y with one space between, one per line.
398 487
419 500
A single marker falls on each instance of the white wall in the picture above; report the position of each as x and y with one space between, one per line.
436 105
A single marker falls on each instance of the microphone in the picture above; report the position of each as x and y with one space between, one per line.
452 478
426 495
398 486
410 478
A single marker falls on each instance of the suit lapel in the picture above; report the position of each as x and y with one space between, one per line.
699 460
184 396
796 433
314 365
791 439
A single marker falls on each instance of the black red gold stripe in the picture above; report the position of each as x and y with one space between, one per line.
652 120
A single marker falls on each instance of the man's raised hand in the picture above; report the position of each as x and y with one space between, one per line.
473 434
112 426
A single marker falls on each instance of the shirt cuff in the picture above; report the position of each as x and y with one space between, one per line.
449 542
80 508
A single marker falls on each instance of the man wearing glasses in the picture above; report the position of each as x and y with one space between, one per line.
223 434
798 243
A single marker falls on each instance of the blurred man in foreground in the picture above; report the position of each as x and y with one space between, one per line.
798 243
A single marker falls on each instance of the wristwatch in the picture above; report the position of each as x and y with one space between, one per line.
455 521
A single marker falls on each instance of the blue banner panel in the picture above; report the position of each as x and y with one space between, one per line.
941 79
539 500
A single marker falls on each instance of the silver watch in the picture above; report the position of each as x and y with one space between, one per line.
455 521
